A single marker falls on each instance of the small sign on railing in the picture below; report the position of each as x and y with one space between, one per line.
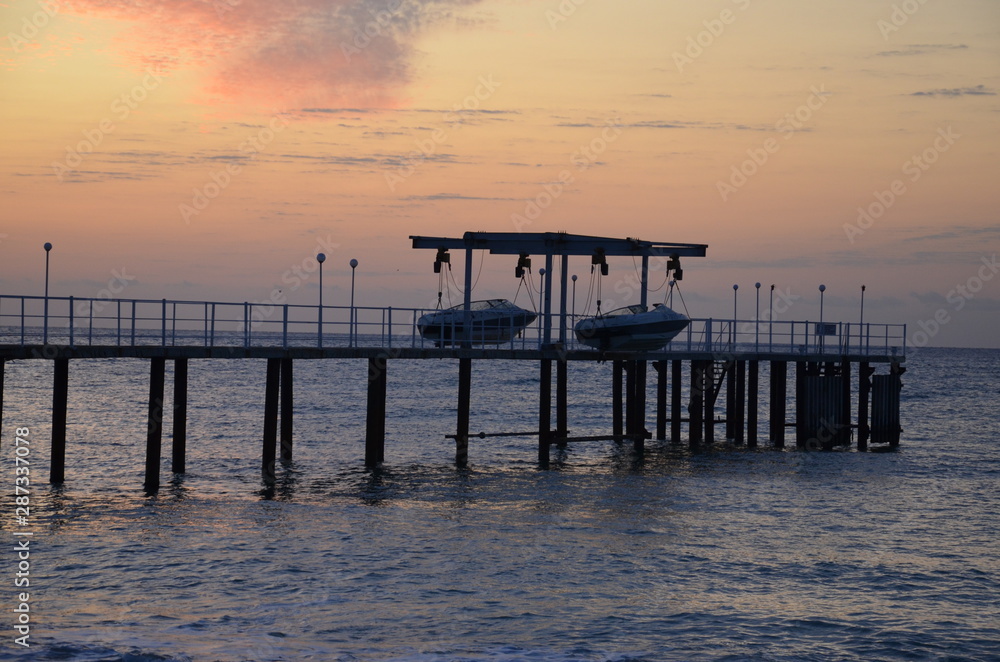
826 329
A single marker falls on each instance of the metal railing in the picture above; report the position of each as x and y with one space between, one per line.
73 321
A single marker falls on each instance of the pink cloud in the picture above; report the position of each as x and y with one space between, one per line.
355 53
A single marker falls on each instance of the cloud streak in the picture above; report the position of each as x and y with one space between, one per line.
350 53
978 90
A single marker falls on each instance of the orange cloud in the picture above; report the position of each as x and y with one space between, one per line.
355 53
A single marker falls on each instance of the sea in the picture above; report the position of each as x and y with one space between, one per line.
722 554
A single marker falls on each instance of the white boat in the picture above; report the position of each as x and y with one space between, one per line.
632 328
494 321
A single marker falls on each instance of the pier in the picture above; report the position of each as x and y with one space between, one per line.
831 361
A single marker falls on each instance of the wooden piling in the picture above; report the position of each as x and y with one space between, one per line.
661 399
270 418
618 368
885 426
179 446
844 423
639 408
375 424
779 402
753 386
710 396
630 371
562 417
544 412
732 404
60 398
696 408
154 423
676 370
287 408
800 403
865 372
464 404
741 393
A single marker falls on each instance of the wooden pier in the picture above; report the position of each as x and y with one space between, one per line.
713 356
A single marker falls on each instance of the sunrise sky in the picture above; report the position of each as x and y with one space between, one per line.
205 147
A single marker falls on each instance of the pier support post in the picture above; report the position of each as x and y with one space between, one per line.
732 406
616 399
562 423
179 446
896 374
864 391
885 406
741 399
779 402
661 399
270 418
676 369
696 408
753 383
544 412
375 424
287 407
154 423
801 434
844 432
60 397
639 409
630 371
464 404
710 396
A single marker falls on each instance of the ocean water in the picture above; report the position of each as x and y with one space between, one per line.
723 554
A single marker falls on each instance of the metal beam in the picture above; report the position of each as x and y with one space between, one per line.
556 243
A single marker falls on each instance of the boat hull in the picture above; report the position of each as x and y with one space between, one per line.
638 332
491 326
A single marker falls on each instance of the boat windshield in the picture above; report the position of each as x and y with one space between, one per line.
627 310
488 304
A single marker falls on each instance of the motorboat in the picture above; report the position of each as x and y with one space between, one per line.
493 321
632 328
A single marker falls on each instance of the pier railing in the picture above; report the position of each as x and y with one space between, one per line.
73 321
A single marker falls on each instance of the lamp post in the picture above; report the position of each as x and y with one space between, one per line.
321 258
573 278
45 322
861 322
770 321
354 265
732 329
757 319
822 329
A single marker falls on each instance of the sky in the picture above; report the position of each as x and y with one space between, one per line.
209 149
